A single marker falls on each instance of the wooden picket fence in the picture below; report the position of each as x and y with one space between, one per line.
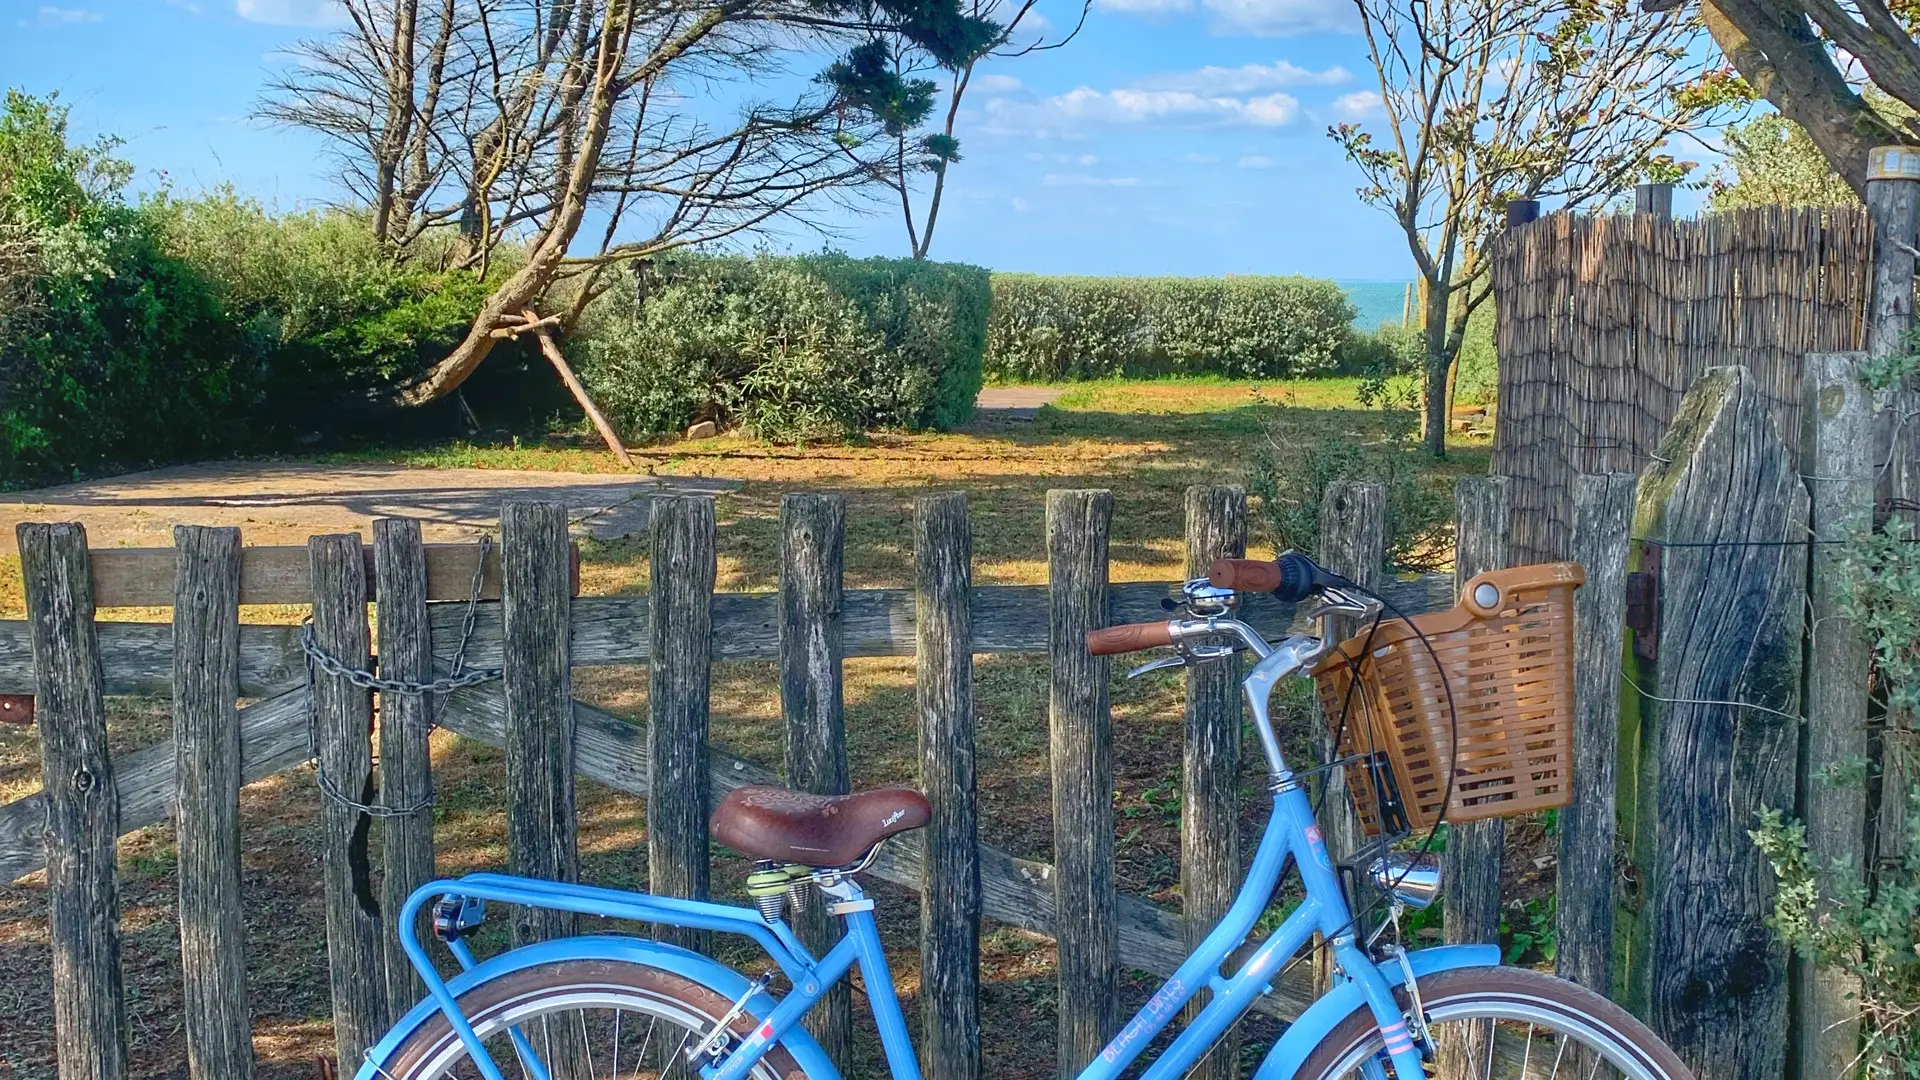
1688 804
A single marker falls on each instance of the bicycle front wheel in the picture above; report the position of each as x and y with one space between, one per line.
579 1020
1504 1023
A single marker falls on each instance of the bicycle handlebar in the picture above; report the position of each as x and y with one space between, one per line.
1129 637
1292 577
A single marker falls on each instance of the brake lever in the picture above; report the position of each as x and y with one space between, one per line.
1177 660
1189 654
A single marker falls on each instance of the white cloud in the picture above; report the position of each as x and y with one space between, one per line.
1020 205
1146 7
1203 159
1087 159
1245 79
291 12
48 16
995 84
1358 105
1083 180
1255 161
1179 107
1255 18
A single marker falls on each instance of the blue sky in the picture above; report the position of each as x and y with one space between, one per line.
1172 136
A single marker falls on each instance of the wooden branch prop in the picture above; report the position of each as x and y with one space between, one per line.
552 352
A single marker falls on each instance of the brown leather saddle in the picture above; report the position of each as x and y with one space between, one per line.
815 830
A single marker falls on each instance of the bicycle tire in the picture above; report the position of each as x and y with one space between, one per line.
1506 997
542 991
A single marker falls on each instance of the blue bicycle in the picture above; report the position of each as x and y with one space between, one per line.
583 1007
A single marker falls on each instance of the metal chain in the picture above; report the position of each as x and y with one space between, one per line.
458 678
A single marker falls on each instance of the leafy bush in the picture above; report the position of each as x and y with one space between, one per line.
790 348
1049 328
334 318
1289 479
1379 355
126 355
134 334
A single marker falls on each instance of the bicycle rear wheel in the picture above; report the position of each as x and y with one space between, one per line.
582 1020
1505 1024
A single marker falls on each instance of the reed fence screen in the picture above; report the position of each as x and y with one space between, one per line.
1604 322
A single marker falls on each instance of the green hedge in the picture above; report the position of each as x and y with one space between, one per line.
139 333
115 346
793 348
1048 328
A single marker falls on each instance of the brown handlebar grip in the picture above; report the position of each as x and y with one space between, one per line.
1245 575
1131 637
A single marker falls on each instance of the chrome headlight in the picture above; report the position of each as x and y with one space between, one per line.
1410 877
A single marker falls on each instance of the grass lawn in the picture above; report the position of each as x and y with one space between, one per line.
1147 442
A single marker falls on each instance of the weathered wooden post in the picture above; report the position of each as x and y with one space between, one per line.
1472 880
406 766
536 586
1720 523
1210 760
206 778
1840 477
950 899
1602 521
1893 203
812 541
83 806
1353 544
344 716
1082 753
679 682
1471 885
1653 200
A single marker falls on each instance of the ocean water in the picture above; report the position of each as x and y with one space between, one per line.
1380 302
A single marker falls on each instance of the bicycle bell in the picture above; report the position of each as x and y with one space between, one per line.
1204 598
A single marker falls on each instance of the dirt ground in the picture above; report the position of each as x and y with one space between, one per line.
284 502
1145 442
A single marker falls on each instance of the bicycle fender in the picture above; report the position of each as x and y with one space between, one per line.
709 973
1306 1033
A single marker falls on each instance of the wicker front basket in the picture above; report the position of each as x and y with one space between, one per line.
1506 652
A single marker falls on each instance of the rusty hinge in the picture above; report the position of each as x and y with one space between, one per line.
1643 603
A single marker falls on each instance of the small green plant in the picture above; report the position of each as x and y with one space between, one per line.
1869 933
1869 936
1289 478
1529 930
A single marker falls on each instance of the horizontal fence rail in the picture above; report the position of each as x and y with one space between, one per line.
137 658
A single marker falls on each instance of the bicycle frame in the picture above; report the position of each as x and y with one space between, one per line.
1291 835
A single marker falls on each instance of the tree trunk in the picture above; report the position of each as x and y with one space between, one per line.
1439 360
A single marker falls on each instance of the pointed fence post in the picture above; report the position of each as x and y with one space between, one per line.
355 924
1471 885
1352 543
535 600
1840 473
1721 521
679 685
812 543
1082 759
83 806
1472 879
1589 832
950 897
1210 761
206 776
406 765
